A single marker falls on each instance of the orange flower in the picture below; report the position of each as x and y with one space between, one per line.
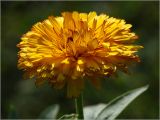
64 50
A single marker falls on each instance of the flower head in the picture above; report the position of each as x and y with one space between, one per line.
64 50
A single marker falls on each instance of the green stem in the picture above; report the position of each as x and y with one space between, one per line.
79 106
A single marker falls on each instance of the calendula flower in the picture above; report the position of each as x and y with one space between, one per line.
65 50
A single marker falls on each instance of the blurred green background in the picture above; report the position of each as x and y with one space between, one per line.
21 99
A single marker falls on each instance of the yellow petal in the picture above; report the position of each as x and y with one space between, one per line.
80 61
65 61
76 18
55 24
60 21
68 21
83 16
91 19
106 44
93 44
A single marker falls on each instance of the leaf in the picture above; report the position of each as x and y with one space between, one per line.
50 112
90 112
115 107
69 116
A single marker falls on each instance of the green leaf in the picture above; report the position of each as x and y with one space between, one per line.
115 107
69 116
50 112
91 112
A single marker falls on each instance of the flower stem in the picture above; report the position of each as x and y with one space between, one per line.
79 106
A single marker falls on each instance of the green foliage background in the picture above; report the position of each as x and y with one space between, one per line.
21 99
